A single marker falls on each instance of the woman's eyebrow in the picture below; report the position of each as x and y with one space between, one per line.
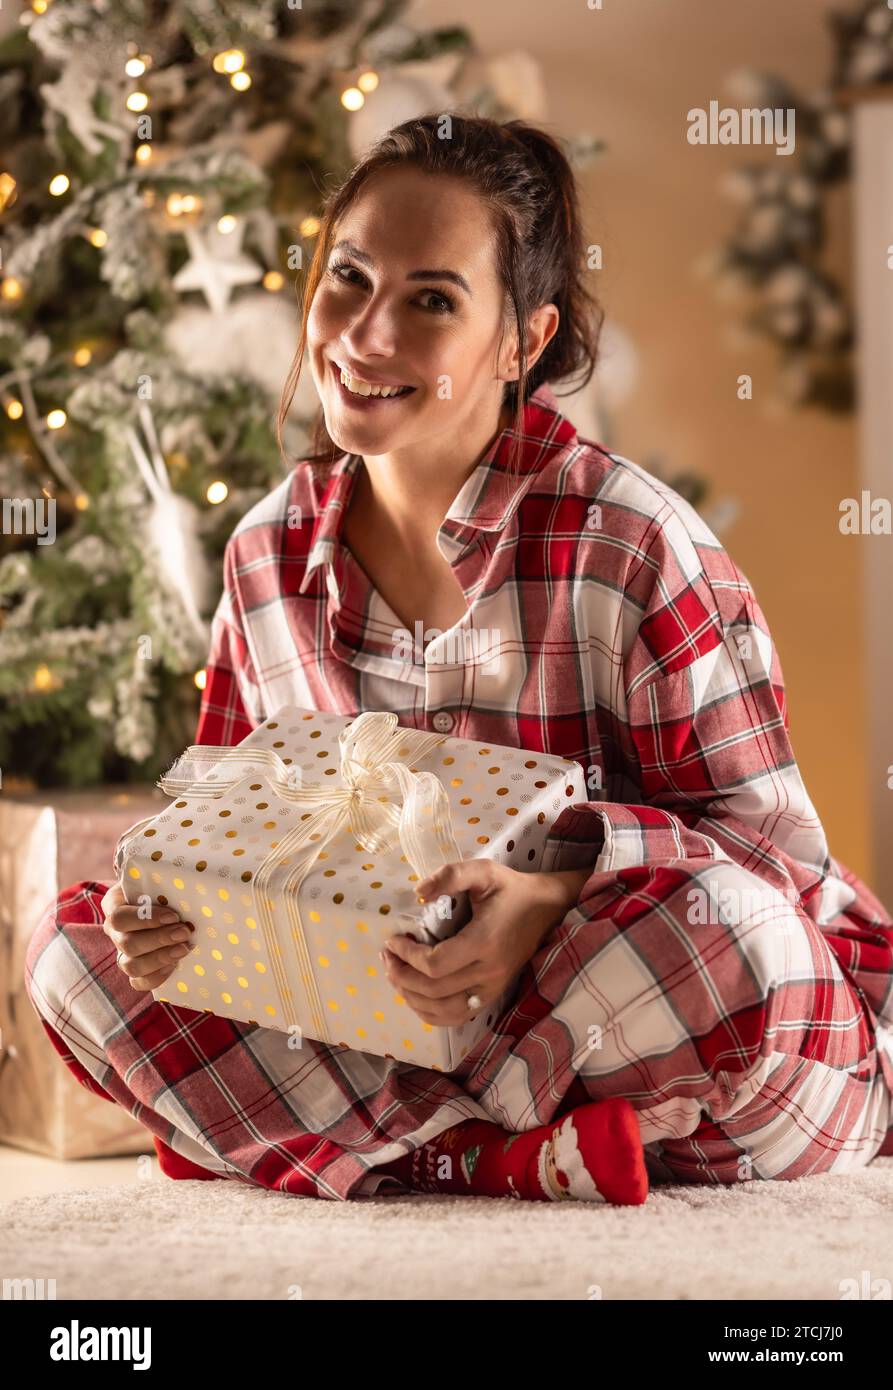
452 275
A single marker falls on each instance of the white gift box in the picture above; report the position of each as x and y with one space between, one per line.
295 854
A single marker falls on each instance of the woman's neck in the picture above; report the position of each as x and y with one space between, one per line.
408 503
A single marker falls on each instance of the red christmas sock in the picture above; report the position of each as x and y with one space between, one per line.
592 1154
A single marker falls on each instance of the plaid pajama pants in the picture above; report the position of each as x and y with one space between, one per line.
745 1048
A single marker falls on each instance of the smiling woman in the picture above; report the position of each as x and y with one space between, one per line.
698 989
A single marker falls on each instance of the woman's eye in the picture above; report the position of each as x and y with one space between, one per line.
443 305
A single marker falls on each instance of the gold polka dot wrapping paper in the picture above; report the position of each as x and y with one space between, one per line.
295 854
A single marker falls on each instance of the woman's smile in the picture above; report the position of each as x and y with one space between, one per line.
362 395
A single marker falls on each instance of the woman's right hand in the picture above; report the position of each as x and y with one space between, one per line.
149 947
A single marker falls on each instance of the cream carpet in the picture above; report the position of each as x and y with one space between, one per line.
154 1238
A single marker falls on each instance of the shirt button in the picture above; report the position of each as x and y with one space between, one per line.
443 721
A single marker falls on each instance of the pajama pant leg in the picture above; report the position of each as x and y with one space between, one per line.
743 1046
235 1099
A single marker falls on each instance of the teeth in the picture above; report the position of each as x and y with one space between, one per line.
362 388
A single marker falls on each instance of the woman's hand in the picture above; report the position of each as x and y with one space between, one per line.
512 914
149 946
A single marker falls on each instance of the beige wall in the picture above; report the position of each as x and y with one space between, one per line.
629 74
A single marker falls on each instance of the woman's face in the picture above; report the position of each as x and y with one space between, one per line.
410 297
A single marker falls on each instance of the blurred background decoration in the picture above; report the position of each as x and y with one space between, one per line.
162 170
773 263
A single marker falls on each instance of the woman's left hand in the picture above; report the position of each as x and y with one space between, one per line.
512 914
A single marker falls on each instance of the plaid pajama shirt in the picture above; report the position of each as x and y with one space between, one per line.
720 968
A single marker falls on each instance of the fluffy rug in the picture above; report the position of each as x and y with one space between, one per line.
201 1240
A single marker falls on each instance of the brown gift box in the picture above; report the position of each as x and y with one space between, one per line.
49 840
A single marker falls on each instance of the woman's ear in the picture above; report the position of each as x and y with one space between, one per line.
541 328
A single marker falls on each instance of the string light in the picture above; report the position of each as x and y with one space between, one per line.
15 410
226 224
56 419
230 60
40 6
352 99
82 502
11 288
134 67
44 679
7 190
179 203
241 81
308 226
98 237
217 492
142 153
82 357
273 281
201 678
367 81
137 101
59 184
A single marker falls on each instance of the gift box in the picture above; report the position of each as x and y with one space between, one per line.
48 841
295 854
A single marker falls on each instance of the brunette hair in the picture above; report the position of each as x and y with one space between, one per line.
526 181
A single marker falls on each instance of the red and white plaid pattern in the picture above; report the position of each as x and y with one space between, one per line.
606 623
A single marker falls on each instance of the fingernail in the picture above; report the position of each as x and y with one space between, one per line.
180 950
180 934
169 916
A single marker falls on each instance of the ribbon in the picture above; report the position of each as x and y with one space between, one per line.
382 802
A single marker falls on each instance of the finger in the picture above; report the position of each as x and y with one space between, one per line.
149 982
164 959
407 977
444 1013
478 876
441 960
113 898
133 917
137 944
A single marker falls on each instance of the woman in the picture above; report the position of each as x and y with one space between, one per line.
705 994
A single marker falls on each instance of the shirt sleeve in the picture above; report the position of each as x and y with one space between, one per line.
231 704
705 739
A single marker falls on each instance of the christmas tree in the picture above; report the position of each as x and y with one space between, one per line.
162 169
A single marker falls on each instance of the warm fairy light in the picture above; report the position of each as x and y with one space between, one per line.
59 185
56 419
226 223
15 410
134 67
241 81
200 678
308 226
137 101
11 288
142 153
82 357
98 237
82 501
43 678
367 81
40 6
352 98
217 492
178 204
7 190
230 60
273 281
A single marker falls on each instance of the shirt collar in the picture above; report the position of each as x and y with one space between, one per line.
485 502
